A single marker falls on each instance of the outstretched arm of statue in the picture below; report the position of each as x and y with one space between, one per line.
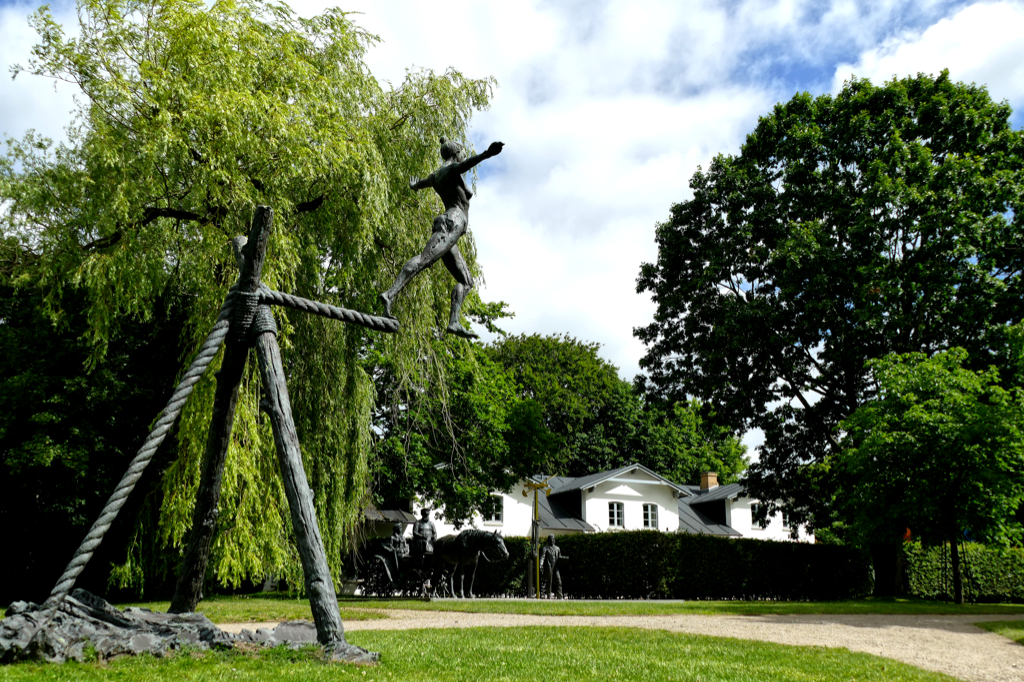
418 184
493 150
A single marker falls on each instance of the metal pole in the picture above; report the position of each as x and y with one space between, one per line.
536 536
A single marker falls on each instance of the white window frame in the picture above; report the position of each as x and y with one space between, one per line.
498 518
616 512
754 525
650 515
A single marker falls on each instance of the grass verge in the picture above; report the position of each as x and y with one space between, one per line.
1014 629
541 654
263 608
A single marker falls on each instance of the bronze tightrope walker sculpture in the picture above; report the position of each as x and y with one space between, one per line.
69 623
448 228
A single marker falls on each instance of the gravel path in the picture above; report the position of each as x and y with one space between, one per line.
947 644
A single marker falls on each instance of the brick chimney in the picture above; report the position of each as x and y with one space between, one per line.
708 480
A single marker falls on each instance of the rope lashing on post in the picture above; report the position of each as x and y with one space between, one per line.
263 320
156 436
381 324
242 314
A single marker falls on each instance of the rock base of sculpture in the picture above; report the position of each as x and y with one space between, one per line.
87 626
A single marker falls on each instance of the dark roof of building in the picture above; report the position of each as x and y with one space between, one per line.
371 513
722 492
691 520
563 484
553 517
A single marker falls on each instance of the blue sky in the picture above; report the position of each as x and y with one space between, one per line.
607 108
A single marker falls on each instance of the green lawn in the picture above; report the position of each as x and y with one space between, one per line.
541 654
262 607
1014 629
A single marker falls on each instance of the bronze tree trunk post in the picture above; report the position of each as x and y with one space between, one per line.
189 589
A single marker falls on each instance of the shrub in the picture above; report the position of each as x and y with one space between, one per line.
652 565
990 574
622 565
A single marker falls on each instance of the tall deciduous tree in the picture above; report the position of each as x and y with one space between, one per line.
576 416
940 449
882 219
680 444
66 436
452 450
189 116
570 387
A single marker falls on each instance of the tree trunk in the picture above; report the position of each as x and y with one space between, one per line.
319 584
189 589
958 583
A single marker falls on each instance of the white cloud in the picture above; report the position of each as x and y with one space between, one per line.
562 231
30 102
597 145
980 44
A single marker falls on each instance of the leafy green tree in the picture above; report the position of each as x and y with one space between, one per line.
189 116
939 449
577 417
67 435
453 450
584 407
681 444
882 219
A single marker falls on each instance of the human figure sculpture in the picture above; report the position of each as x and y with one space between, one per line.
395 549
397 544
549 556
448 228
424 534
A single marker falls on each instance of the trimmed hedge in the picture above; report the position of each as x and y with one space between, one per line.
656 565
990 574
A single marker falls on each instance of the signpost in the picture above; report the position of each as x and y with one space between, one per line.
536 487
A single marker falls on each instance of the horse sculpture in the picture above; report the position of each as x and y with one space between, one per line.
465 550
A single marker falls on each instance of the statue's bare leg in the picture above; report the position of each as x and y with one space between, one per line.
456 265
446 233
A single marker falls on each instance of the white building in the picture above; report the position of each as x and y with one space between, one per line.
629 498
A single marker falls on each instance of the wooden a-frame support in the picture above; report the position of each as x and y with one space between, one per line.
258 330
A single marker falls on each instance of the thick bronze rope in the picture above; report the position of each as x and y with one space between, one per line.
156 436
381 324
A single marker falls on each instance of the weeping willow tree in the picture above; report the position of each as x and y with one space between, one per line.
188 117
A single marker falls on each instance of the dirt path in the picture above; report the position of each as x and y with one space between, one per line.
947 644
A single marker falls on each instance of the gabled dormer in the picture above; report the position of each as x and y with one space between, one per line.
631 497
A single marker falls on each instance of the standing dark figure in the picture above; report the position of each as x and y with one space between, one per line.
448 227
549 556
424 534
395 549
